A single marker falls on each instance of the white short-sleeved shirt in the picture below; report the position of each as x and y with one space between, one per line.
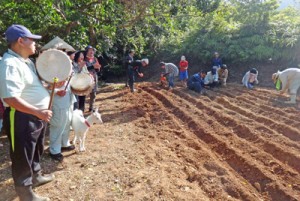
18 78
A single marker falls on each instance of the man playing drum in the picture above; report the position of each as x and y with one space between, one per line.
26 102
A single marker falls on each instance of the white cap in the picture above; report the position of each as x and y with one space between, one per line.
182 58
146 61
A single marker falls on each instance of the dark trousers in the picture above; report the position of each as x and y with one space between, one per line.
131 77
26 135
195 86
92 100
81 102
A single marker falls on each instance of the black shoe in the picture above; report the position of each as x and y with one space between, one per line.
39 179
69 148
58 157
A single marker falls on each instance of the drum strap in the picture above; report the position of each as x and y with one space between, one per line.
87 123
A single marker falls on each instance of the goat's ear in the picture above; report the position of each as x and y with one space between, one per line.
96 110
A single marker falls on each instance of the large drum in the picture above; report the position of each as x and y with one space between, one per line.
82 84
52 64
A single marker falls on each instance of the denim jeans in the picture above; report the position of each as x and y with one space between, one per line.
171 80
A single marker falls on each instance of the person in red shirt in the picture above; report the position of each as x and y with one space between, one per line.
183 70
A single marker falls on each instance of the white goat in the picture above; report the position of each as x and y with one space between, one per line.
81 125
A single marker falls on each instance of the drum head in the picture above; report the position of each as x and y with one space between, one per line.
54 64
82 84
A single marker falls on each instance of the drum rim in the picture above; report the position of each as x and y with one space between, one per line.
43 76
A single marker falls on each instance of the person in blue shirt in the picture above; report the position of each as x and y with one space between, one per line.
216 65
216 61
196 82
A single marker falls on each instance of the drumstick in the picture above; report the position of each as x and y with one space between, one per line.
68 81
55 80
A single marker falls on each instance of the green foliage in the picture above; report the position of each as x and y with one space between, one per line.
241 30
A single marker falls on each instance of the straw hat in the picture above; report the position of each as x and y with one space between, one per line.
58 43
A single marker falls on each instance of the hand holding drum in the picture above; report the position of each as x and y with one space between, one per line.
97 65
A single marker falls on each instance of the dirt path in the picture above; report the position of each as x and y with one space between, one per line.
231 144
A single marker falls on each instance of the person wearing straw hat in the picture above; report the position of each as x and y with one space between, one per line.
290 81
26 113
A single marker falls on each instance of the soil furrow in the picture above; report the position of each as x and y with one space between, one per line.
286 156
263 109
205 176
248 170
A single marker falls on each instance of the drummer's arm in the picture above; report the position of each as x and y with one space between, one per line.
59 92
22 106
95 66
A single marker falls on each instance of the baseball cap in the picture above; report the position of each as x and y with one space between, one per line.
90 47
15 31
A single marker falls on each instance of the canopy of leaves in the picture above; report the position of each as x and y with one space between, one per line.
242 30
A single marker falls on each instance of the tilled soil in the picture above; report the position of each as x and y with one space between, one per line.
228 144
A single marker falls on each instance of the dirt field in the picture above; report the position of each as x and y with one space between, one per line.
230 144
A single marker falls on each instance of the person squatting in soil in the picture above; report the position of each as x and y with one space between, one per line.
171 70
196 82
209 81
163 79
223 75
250 78
26 101
216 65
134 67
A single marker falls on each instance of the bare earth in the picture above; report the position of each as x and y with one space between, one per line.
230 144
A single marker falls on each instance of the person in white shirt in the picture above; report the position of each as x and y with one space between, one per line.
250 78
26 101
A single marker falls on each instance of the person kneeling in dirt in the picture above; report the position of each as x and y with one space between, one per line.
223 75
196 82
163 79
250 78
135 67
209 81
